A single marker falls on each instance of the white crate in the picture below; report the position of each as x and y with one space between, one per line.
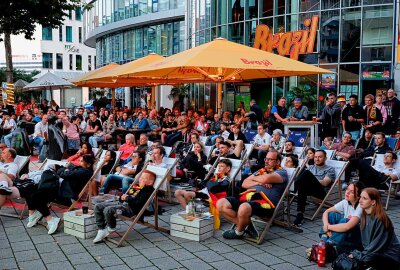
109 198
196 230
82 226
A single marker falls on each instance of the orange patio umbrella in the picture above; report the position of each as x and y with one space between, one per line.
85 80
223 61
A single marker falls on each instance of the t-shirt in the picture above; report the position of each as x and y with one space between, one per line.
384 169
265 139
274 193
347 210
96 123
321 171
9 168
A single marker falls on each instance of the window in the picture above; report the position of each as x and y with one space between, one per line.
70 14
78 14
47 33
71 67
89 62
78 62
60 33
47 60
59 60
80 34
68 33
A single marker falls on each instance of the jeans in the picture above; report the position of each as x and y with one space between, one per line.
173 138
93 140
106 214
337 238
367 174
116 180
39 142
7 140
307 185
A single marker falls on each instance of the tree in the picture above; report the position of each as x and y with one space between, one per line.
21 17
308 94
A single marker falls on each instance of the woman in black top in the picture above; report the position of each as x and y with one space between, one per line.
194 162
107 164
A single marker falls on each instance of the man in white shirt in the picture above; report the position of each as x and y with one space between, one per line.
8 127
41 130
261 143
8 170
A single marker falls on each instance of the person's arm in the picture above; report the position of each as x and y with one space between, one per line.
329 177
345 227
325 220
271 178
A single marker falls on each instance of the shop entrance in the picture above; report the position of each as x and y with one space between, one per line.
371 87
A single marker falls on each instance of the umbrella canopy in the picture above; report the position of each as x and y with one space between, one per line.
48 81
20 84
85 80
224 61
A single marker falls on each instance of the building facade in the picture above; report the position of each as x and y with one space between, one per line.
125 30
357 39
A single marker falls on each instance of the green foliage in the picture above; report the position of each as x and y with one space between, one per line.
179 91
308 94
20 74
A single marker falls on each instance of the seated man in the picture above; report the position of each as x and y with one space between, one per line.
215 188
380 146
261 143
134 200
143 143
278 141
8 172
289 148
264 190
156 158
344 149
377 176
313 182
224 151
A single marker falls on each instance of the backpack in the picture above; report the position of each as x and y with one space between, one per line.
19 142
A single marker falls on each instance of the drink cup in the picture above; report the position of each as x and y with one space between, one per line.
85 207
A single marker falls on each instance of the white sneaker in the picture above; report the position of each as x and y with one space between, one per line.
52 225
110 230
33 219
101 234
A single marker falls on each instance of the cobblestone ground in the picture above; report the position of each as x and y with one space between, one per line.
22 248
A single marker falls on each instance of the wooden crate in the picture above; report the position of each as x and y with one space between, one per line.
109 198
196 230
82 226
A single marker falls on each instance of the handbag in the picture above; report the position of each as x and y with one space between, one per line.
23 184
48 181
343 262
312 254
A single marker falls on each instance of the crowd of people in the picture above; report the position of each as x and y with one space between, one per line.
142 136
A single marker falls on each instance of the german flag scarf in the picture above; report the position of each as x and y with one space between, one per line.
215 196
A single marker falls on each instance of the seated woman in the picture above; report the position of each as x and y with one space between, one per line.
128 147
125 174
71 182
109 127
310 156
71 130
291 161
107 164
381 248
193 162
135 199
340 222
167 127
86 149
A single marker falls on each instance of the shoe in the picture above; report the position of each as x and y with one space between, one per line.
33 219
52 225
110 230
299 219
231 234
5 190
252 231
101 234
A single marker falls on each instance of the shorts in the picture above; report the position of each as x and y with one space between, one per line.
256 209
201 195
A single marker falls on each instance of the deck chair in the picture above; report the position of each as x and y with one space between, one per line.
340 167
21 162
162 175
279 209
299 151
298 137
207 151
330 154
168 150
97 151
391 142
171 162
203 139
248 147
378 160
250 134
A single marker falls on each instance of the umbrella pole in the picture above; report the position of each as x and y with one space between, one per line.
153 95
113 97
219 99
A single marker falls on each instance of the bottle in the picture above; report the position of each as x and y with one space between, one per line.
321 253
190 208
246 168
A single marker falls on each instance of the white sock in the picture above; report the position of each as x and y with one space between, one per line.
4 183
239 233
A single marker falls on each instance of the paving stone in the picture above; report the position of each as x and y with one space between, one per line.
53 257
18 237
66 239
27 255
88 266
284 243
80 258
170 245
220 247
297 260
125 251
100 250
59 265
155 237
32 265
15 230
276 250
254 265
142 243
72 248
285 266
108 260
249 249
267 259
225 265
47 247
237 257
44 238
180 254
118 267
209 256
138 261
193 246
153 253
195 264
8 263
6 253
166 263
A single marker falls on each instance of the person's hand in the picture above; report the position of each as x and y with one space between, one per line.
325 228
351 256
329 233
268 185
351 118
123 197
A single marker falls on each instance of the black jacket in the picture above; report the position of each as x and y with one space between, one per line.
372 149
241 136
75 178
137 202
192 163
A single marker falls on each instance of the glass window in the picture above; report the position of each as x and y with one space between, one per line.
70 14
71 66
351 22
309 5
251 30
349 76
80 34
236 12
377 2
328 4
280 7
59 60
329 34
376 71
266 8
78 59
47 33
351 3
377 26
236 33
47 60
278 85
60 33
375 53
306 89
251 9
78 14
89 62
68 33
